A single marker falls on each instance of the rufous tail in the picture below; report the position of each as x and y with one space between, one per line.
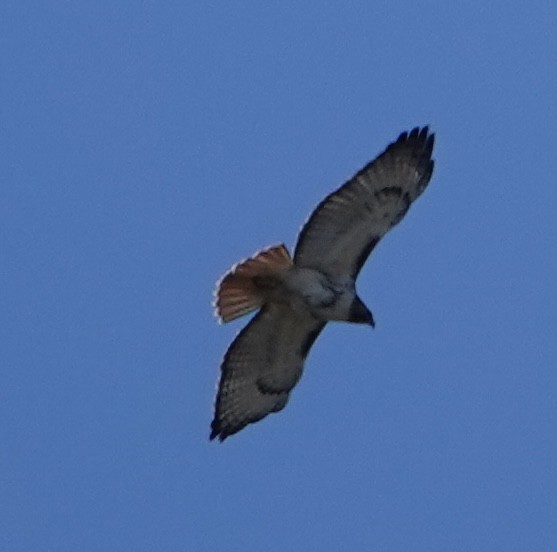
236 293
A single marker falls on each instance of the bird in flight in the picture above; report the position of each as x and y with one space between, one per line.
296 296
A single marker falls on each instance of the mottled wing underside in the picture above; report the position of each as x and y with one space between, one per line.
261 367
345 227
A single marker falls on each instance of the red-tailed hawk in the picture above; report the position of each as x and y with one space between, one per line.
297 296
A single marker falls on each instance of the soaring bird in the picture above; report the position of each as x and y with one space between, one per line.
296 296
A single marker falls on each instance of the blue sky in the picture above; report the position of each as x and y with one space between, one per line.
148 146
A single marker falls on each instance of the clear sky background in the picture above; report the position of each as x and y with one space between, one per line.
146 147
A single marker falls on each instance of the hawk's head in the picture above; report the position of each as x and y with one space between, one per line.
359 313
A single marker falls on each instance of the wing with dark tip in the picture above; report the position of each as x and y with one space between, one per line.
345 227
261 367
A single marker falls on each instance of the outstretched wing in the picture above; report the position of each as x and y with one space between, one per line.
345 227
261 367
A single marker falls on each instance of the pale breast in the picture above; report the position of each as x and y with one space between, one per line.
309 289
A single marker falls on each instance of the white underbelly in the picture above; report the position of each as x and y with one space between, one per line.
307 289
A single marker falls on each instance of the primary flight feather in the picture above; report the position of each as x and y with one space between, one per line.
297 296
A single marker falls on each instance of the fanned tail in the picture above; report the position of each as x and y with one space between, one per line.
236 293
